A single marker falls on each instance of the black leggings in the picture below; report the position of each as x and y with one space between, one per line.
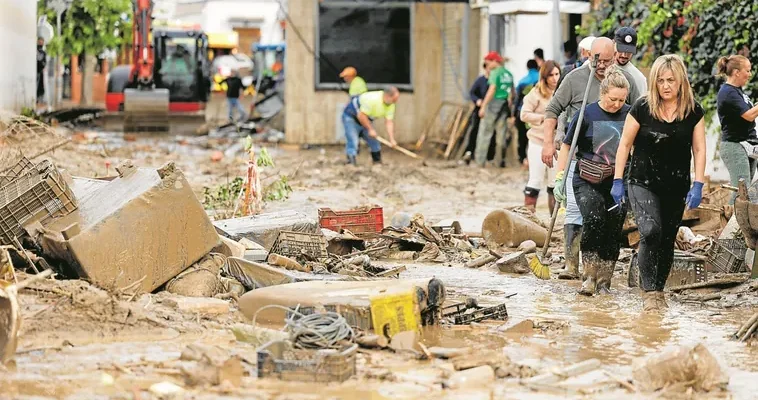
523 140
601 229
658 218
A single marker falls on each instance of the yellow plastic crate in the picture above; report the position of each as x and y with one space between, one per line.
393 312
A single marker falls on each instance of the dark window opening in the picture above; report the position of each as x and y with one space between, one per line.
374 39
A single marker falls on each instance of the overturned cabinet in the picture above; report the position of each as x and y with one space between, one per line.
144 226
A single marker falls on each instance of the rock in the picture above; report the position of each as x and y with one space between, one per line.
214 372
199 280
230 248
528 246
201 305
480 376
198 351
407 340
448 352
468 361
217 156
692 366
514 263
166 391
521 328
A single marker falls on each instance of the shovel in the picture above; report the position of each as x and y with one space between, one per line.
538 264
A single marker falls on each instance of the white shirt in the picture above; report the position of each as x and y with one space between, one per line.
639 79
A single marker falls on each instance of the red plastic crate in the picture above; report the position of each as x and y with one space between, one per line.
358 221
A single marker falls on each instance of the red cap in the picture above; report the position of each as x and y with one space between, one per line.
493 56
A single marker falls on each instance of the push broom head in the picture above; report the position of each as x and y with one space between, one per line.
539 269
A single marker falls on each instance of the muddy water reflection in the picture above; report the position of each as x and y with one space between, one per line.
611 328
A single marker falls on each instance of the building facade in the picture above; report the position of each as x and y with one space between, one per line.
423 48
18 37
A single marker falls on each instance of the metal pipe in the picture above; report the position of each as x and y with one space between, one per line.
557 31
465 29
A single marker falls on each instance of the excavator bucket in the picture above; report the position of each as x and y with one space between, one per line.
146 110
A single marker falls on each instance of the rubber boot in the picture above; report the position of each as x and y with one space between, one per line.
376 156
351 161
650 302
604 275
661 300
572 238
530 202
550 200
591 264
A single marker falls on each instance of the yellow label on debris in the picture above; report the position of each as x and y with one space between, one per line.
393 313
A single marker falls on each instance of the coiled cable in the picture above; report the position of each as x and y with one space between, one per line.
327 330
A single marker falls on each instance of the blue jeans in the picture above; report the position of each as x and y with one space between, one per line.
354 131
573 214
234 104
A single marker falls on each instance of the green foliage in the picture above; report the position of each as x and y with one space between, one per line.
90 26
700 31
223 196
279 190
264 159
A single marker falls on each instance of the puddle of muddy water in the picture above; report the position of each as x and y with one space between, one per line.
610 328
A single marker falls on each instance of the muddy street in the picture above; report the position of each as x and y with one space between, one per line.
79 341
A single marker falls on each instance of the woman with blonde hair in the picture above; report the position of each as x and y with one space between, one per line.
737 116
533 113
666 128
599 135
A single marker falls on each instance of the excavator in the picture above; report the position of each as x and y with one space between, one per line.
168 80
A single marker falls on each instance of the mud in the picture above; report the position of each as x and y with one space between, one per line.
78 341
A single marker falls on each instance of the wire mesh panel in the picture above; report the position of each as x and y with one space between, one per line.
23 137
39 195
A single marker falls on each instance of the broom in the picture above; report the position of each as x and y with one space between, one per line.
538 264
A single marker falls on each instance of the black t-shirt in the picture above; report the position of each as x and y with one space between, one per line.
662 150
233 87
599 134
732 103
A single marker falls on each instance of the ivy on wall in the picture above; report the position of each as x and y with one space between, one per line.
700 31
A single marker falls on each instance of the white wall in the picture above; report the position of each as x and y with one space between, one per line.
524 33
217 15
18 47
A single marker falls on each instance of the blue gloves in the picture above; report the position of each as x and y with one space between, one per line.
695 196
617 191
559 190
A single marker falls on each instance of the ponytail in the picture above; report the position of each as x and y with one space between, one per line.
725 66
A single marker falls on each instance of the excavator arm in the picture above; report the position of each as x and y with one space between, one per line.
145 106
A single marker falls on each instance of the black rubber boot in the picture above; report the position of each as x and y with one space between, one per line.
351 161
376 156
572 237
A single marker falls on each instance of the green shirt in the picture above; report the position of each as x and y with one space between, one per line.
503 81
357 86
372 104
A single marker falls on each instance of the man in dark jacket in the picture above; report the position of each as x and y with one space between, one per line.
476 94
234 89
41 63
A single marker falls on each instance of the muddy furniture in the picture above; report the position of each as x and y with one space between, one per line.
144 226
746 211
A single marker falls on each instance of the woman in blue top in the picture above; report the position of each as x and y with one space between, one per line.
737 116
599 136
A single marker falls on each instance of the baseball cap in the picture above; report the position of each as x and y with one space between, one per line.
586 43
493 56
626 40
348 71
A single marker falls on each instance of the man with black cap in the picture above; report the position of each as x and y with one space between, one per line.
626 47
